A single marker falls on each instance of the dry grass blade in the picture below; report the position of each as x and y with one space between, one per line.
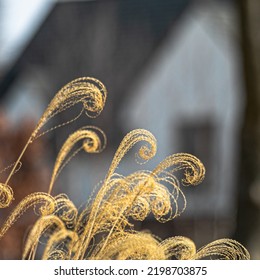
92 144
48 207
224 249
88 91
39 228
6 195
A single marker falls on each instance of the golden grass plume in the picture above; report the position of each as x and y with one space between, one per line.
104 229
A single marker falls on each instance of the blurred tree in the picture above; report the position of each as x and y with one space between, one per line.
248 223
1 27
33 176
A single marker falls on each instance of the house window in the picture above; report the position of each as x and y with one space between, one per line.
196 138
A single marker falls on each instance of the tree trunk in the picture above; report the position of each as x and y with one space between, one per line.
248 221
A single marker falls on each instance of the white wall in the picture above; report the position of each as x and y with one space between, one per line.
195 76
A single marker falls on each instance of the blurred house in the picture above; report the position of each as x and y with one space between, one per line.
110 40
190 97
170 67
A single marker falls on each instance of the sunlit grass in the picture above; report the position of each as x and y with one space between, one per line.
104 229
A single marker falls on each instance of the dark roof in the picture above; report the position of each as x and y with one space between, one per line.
97 38
111 40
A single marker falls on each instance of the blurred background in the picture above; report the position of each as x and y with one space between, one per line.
187 70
